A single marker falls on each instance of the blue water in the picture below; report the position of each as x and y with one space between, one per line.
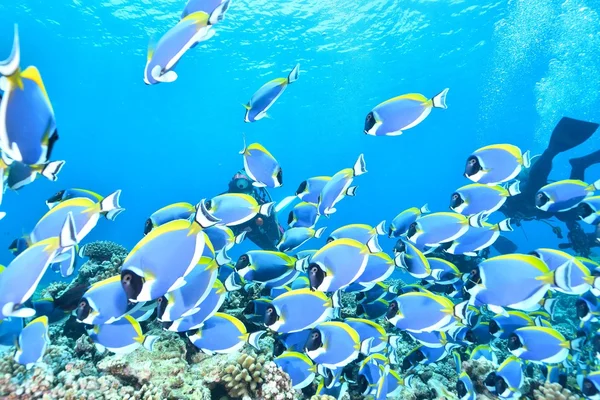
513 69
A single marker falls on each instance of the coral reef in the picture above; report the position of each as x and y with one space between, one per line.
553 391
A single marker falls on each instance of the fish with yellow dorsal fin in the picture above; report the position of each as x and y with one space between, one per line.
223 334
333 344
121 337
266 96
32 343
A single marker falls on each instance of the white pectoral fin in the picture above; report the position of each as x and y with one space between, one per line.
166 77
219 13
10 311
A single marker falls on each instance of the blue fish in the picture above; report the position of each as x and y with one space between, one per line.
373 310
32 343
443 272
564 195
476 198
542 344
103 303
478 238
299 368
502 325
339 186
223 334
431 230
209 306
369 373
496 164
333 344
465 388
27 123
484 352
266 96
303 215
256 310
20 279
169 213
300 309
296 237
233 209
294 341
10 329
371 333
193 29
121 337
362 233
18 175
207 6
402 222
413 261
510 378
261 166
379 291
589 210
309 190
430 339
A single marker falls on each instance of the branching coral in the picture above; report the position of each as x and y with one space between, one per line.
553 391
243 377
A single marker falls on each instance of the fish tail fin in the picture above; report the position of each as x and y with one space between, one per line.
219 13
527 159
425 209
514 189
478 219
222 258
10 66
373 245
336 305
111 202
504 226
562 276
113 214
394 341
577 344
240 238
50 170
203 217
266 209
439 100
294 74
254 337
301 264
595 186
68 235
549 305
319 232
243 150
366 345
380 228
351 191
460 310
230 284
149 341
360 167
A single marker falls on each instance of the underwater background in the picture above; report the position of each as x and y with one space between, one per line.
514 69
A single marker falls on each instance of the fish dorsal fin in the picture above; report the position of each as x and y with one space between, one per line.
151 48
2 268
33 74
199 17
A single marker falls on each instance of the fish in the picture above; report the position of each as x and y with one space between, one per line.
443 272
338 264
223 334
542 344
372 334
20 279
10 329
261 166
28 129
413 261
309 190
424 312
19 245
430 339
372 310
402 222
339 186
587 308
496 164
19 175
333 344
465 388
265 266
299 368
303 215
369 373
380 267
590 385
86 213
441 227
294 341
209 306
188 299
476 198
163 57
398 114
359 232
573 276
265 97
484 352
169 213
207 6
121 337
379 291
160 262
32 342
300 309
103 303
223 239
527 275
296 237
589 210
510 378
502 325
478 238
233 209
564 195
256 310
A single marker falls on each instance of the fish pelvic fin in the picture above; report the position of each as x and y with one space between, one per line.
110 202
10 66
439 100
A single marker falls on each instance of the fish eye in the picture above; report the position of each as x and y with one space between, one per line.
314 269
82 304
472 161
315 335
369 116
127 278
455 196
159 300
540 195
269 311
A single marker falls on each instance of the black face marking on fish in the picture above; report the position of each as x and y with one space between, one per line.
400 246
290 218
369 122
270 315
582 308
412 230
360 310
588 388
301 188
461 389
250 309
58 196
315 275
148 226
363 385
494 327
330 239
280 176
278 348
314 340
208 204
167 324
584 210
242 262
360 296
161 306
132 284
501 385
392 310
83 310
474 279
455 200
473 166
490 380
514 342
541 199
470 336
